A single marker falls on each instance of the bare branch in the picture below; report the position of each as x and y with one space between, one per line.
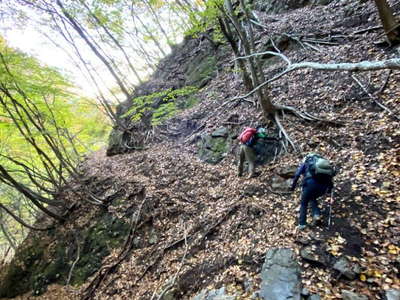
75 261
373 98
266 52
392 64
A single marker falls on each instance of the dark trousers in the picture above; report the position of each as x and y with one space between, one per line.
311 191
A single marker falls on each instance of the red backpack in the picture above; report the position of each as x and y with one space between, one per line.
247 135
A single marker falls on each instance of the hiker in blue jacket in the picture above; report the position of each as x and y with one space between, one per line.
313 186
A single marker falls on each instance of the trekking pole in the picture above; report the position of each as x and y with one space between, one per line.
330 210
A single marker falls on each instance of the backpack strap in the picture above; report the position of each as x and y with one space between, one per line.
309 161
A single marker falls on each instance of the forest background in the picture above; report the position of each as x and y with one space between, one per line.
69 66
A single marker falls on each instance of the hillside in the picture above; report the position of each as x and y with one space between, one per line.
178 220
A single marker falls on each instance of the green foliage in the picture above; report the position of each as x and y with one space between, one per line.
45 95
165 110
32 92
201 21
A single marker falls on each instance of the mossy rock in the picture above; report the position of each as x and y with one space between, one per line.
115 142
266 150
19 277
200 70
44 262
214 147
107 234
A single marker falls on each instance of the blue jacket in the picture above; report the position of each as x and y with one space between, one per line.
302 170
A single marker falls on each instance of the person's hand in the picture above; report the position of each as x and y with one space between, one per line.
330 199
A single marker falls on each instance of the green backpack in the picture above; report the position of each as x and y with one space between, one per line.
319 168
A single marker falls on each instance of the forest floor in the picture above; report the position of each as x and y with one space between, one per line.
207 227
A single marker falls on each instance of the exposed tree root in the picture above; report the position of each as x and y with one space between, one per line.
281 109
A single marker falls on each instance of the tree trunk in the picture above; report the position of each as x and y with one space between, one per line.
36 199
156 20
19 220
151 35
7 235
267 106
229 37
116 42
390 25
79 30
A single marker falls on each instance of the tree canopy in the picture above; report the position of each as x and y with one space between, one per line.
45 128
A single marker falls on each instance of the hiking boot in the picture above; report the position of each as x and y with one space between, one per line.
301 227
316 220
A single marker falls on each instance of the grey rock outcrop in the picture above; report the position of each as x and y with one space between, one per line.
310 253
280 276
392 294
215 146
219 294
343 266
348 295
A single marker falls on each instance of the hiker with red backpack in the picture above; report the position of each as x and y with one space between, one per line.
318 179
248 139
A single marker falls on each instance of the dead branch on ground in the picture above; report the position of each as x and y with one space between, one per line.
391 64
373 98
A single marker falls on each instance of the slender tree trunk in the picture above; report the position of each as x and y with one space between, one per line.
116 42
9 238
36 199
390 25
19 220
156 20
228 35
267 106
78 29
151 35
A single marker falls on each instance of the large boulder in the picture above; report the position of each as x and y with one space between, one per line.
115 142
266 150
215 146
280 276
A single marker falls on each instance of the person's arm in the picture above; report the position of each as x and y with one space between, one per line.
296 177
272 138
